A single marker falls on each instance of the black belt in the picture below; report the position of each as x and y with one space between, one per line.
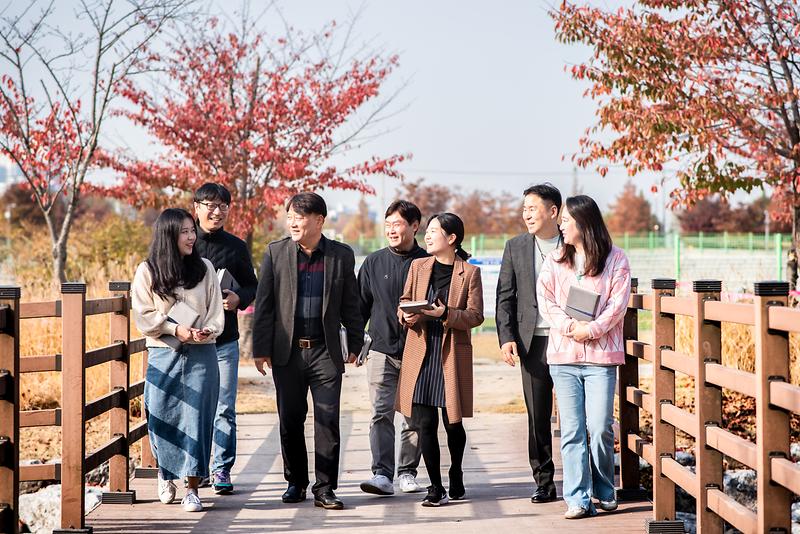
308 342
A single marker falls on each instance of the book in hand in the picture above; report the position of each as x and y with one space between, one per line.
346 349
181 314
362 356
415 306
582 303
227 281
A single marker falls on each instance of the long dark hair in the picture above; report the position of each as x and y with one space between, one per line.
169 269
594 235
452 225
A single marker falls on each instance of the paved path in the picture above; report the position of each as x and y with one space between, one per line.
497 478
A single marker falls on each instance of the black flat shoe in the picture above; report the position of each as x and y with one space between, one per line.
294 494
544 494
328 500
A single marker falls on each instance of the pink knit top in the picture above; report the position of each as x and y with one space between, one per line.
606 345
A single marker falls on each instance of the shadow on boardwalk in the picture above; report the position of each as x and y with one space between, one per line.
497 477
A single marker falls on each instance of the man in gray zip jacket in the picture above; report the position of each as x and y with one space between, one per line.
522 331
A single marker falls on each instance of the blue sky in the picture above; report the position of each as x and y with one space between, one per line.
489 103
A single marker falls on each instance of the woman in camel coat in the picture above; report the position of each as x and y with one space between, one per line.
437 360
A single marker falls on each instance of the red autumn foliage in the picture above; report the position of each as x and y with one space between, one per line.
707 87
631 213
52 111
264 118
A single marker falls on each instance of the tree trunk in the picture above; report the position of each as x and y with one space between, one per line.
60 262
791 264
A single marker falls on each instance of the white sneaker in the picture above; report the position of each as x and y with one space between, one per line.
608 506
166 490
408 483
191 503
378 485
576 512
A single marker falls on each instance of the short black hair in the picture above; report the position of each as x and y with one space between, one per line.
212 191
308 204
547 192
407 210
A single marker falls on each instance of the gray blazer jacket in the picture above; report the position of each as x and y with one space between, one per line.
276 299
516 310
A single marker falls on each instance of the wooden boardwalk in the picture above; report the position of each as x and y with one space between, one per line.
497 477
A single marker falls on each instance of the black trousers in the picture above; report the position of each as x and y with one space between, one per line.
309 369
537 386
426 419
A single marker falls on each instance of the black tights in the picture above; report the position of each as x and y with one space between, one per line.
426 419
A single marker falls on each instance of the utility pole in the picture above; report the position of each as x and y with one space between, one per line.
576 190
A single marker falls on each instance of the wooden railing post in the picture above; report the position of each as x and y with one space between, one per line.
708 403
149 466
630 488
663 392
772 424
119 378
9 409
73 403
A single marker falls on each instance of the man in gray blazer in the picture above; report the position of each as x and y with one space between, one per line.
307 290
523 332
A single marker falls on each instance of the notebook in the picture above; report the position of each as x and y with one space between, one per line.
184 315
227 281
346 350
582 303
415 306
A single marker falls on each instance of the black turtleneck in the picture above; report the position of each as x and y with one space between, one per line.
226 251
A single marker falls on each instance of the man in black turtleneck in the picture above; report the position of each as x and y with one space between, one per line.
226 251
381 279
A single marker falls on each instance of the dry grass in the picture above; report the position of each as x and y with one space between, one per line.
738 346
43 390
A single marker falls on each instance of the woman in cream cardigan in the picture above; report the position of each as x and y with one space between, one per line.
182 379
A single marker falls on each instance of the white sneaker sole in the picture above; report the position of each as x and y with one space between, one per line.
429 504
366 487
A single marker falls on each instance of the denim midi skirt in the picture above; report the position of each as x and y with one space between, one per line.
180 396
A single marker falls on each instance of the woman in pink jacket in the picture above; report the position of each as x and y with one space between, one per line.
584 354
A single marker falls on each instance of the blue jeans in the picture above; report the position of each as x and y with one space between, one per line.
225 419
585 396
180 395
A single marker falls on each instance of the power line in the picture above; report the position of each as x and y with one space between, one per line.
516 173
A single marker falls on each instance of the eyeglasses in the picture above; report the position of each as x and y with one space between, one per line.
212 206
394 225
295 218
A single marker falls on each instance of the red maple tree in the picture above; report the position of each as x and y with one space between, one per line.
52 113
262 117
631 213
709 87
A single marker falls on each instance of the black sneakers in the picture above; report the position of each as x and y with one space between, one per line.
457 491
437 496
